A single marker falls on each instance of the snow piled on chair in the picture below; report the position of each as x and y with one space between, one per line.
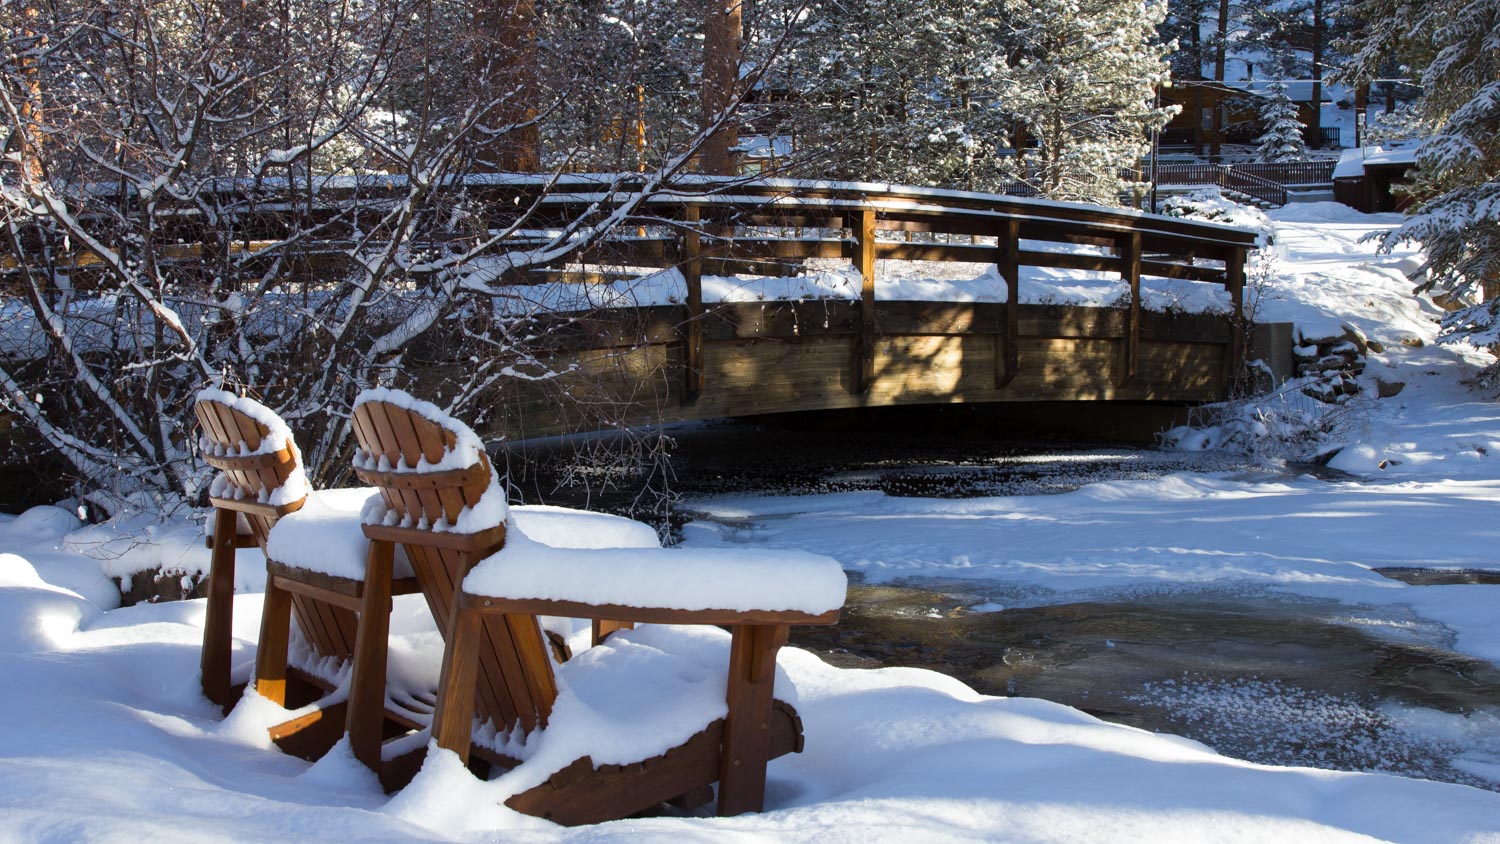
740 579
326 535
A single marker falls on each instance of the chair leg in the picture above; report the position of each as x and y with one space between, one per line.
452 720
602 628
275 637
219 619
367 687
747 729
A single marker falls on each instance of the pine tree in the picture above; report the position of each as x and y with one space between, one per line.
1457 178
1083 87
904 92
1282 140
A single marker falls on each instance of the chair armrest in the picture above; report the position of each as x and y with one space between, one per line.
644 615
484 541
256 508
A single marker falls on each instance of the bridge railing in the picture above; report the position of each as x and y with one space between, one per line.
732 226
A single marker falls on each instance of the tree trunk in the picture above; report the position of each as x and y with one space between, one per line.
1315 128
1220 58
31 98
722 31
505 59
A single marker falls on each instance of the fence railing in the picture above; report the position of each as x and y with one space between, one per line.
1326 136
1263 180
1252 185
1227 177
1291 172
1183 136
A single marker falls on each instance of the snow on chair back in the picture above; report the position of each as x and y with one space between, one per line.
443 505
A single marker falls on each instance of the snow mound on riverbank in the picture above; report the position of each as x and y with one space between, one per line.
109 737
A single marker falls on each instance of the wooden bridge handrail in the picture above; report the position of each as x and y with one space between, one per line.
723 202
982 207
691 225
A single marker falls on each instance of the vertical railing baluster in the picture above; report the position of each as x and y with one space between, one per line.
692 338
864 258
1130 270
1234 281
1008 261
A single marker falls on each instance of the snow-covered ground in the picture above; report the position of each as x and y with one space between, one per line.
107 737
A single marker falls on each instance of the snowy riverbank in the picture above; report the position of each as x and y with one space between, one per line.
108 736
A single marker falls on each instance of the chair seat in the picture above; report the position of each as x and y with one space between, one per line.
326 535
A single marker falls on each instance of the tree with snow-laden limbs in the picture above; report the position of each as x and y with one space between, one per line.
1083 86
903 92
980 95
1282 140
291 196
1456 45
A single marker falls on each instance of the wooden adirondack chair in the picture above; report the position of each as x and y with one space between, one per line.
438 559
328 609
495 664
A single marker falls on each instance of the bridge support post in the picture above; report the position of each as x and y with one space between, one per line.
692 329
1008 261
1234 282
863 365
1129 247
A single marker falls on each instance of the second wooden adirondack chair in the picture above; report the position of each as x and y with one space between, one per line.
441 503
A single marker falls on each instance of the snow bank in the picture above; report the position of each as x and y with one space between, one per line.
134 542
672 578
109 737
1327 274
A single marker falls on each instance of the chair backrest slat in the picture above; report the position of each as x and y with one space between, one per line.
516 684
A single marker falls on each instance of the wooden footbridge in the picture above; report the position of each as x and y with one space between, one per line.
686 358
697 360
